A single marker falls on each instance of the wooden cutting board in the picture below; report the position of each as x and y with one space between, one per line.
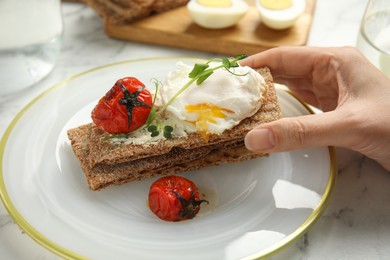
176 28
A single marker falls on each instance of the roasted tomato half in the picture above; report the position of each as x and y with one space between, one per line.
174 198
124 108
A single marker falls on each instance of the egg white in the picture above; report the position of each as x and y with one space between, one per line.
217 17
239 94
281 19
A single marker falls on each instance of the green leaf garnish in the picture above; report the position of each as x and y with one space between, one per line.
167 135
154 133
234 64
202 77
240 57
226 63
168 128
198 69
168 131
152 128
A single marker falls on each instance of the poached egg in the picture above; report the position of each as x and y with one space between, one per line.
222 101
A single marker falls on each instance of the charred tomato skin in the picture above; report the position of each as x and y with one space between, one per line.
111 115
174 198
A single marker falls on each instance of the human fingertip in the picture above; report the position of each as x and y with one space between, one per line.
260 139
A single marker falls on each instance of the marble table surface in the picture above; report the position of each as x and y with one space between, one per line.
356 224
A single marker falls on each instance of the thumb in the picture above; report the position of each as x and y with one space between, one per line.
299 132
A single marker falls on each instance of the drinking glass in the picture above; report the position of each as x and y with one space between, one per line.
30 39
374 35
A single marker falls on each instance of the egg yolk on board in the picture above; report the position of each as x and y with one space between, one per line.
215 3
276 4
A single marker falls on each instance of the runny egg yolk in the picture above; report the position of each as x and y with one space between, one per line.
276 4
207 113
215 3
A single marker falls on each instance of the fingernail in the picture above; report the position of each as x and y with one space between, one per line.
260 139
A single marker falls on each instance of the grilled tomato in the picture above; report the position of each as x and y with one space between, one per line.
124 108
174 198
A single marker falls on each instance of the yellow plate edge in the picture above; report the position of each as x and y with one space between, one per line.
317 212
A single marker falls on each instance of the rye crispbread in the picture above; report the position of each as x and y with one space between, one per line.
127 11
105 164
178 160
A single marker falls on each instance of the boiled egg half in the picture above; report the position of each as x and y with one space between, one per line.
217 14
280 14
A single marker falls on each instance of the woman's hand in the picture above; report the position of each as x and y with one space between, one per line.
354 95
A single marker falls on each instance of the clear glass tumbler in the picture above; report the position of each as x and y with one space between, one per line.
374 36
30 40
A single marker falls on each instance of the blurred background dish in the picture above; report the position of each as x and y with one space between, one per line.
217 14
250 35
280 14
30 41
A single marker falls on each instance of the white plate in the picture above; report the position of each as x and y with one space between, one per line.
257 207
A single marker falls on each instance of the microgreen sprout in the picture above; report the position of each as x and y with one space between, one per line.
202 71
153 111
168 131
153 129
199 73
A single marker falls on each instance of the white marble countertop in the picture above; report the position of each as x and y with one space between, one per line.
356 225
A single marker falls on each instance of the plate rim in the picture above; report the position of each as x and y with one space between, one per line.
68 254
316 213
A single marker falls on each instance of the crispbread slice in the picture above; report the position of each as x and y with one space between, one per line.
178 160
98 179
103 152
127 11
175 161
